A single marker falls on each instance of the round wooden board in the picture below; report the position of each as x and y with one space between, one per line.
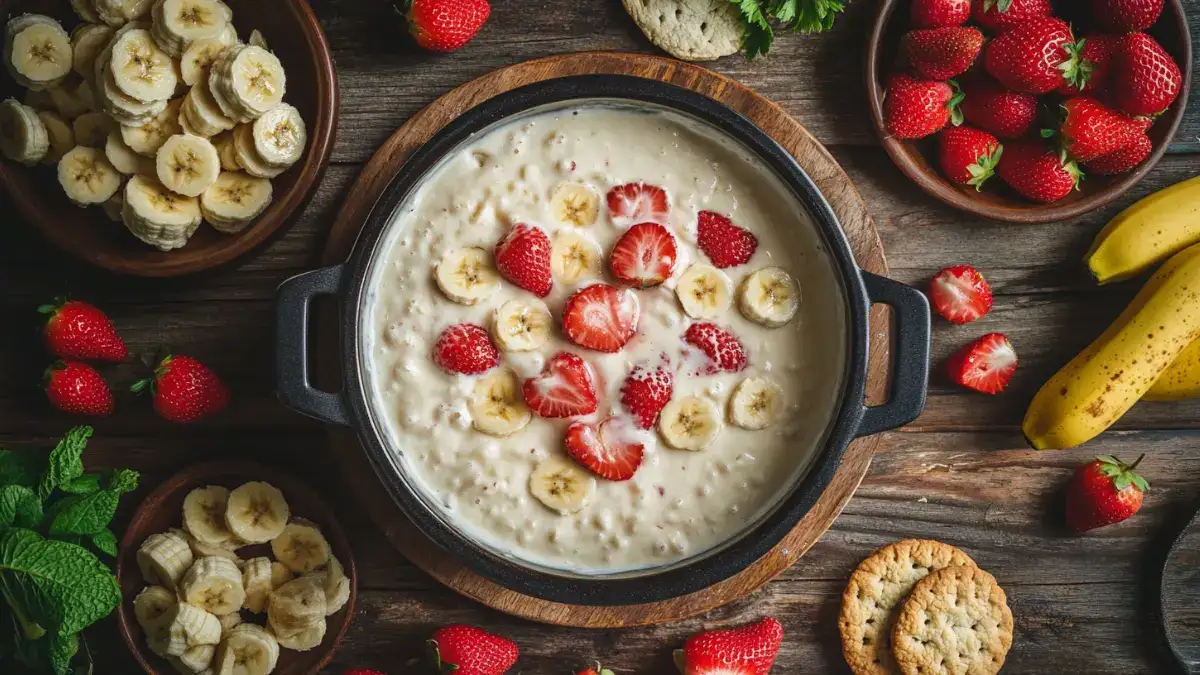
789 133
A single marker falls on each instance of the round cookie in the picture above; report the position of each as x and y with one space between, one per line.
873 596
692 30
956 621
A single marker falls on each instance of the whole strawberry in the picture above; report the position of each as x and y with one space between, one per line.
596 670
1037 172
465 650
1091 129
77 330
940 13
749 650
968 156
446 25
1126 16
1035 57
999 111
1095 56
1104 492
999 16
1145 79
942 53
1122 160
75 387
916 108
184 390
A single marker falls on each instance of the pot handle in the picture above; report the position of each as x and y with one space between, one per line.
292 381
910 379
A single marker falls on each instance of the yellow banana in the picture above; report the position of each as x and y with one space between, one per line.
1181 380
1104 381
1147 233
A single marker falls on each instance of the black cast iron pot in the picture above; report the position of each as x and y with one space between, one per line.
350 406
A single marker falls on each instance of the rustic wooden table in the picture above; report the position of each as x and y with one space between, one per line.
961 473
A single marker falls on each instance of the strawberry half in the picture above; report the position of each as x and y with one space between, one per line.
725 244
1122 160
960 294
77 388
446 25
647 391
723 350
465 348
595 670
749 650
601 317
968 156
942 53
77 330
914 108
466 650
985 365
610 452
633 203
523 257
566 388
644 256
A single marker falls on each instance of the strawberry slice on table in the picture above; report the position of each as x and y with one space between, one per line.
1145 79
997 110
446 25
465 348
942 53
960 294
184 390
1037 172
644 256
915 108
610 452
999 16
749 650
1104 492
523 257
75 387
1035 57
940 13
1126 16
77 330
1096 54
601 317
566 388
968 156
723 350
596 670
986 365
1122 160
725 244
466 650
639 202
1091 129
647 390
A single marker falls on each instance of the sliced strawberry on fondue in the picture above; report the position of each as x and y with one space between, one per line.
644 256
647 391
722 350
566 388
523 257
613 451
725 244
638 203
601 317
465 348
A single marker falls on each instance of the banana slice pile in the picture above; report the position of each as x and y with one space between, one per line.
199 588
154 110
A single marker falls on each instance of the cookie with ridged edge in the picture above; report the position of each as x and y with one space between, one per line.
874 594
956 621
692 30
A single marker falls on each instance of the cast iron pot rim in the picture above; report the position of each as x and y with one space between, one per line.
654 584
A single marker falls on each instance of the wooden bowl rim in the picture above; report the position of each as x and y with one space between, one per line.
1014 211
279 214
197 474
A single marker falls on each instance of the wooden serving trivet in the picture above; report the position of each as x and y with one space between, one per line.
815 159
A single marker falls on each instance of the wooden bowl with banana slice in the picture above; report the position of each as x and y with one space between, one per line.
234 562
197 128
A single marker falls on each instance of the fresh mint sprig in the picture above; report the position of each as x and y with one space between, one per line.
805 16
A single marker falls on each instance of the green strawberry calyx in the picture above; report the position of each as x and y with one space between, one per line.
985 167
1000 5
955 104
1076 70
1123 475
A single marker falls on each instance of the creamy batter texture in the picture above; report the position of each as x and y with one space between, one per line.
679 504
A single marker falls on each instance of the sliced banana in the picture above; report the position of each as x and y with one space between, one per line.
756 403
770 297
202 550
147 139
157 216
60 134
280 136
229 622
39 55
23 135
575 204
198 626
247 650
253 78
521 326
87 176
575 257
151 605
467 275
213 584
309 638
84 10
256 38
202 113
192 20
704 291
301 547
296 606
140 68
257 512
199 57
280 574
223 142
234 201
247 155
561 485
690 423
92 129
21 22
87 42
204 515
337 586
258 582
124 159
118 13
120 106
71 98
197 659
497 407
188 164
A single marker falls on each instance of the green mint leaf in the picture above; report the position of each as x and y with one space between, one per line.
105 542
807 16
85 484
20 467
756 30
123 480
66 461
84 514
61 586
60 650
19 506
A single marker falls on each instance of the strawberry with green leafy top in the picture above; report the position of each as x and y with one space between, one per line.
1035 57
940 13
75 387
446 25
1122 160
968 156
1037 172
466 650
942 53
1104 492
1096 54
77 330
1091 129
915 108
184 390
999 16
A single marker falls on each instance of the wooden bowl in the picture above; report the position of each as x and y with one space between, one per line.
162 510
918 159
293 33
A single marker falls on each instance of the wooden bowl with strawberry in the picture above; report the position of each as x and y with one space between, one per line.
1028 111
